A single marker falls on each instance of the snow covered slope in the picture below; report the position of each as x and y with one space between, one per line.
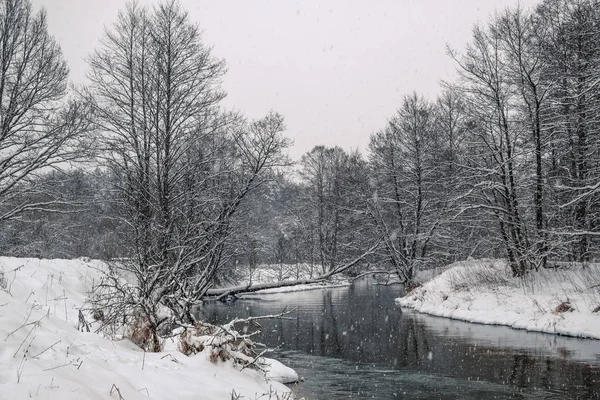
561 301
43 354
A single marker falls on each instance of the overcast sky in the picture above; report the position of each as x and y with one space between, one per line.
336 69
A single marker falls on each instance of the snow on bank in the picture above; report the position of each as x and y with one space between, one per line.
560 301
44 355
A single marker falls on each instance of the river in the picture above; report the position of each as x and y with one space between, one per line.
354 342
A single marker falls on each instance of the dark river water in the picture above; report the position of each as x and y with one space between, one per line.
354 342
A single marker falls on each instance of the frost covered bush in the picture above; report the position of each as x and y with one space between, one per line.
222 343
141 333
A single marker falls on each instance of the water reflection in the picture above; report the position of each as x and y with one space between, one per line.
355 342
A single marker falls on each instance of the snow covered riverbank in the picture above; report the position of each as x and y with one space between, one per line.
559 301
44 355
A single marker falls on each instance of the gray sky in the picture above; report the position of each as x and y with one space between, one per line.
336 69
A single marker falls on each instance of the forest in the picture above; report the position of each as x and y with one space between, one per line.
143 166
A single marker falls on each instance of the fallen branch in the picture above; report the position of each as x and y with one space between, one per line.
281 315
219 294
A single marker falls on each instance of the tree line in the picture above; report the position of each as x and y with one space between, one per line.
504 163
144 165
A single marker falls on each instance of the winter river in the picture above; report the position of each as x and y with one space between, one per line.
354 342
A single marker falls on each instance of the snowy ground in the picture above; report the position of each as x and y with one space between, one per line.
44 355
563 301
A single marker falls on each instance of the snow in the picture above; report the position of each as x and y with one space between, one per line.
483 291
43 354
280 373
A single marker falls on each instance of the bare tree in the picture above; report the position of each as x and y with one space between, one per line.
459 234
334 195
39 128
184 166
322 171
406 207
498 148
521 39
569 39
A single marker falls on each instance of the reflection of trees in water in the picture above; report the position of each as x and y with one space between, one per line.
523 367
414 347
330 329
377 332
591 381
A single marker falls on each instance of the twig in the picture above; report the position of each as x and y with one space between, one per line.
58 366
281 315
36 323
52 385
23 342
172 358
114 388
14 278
65 298
46 349
22 364
253 362
47 287
30 293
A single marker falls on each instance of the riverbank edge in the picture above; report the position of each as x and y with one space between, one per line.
559 302
72 362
